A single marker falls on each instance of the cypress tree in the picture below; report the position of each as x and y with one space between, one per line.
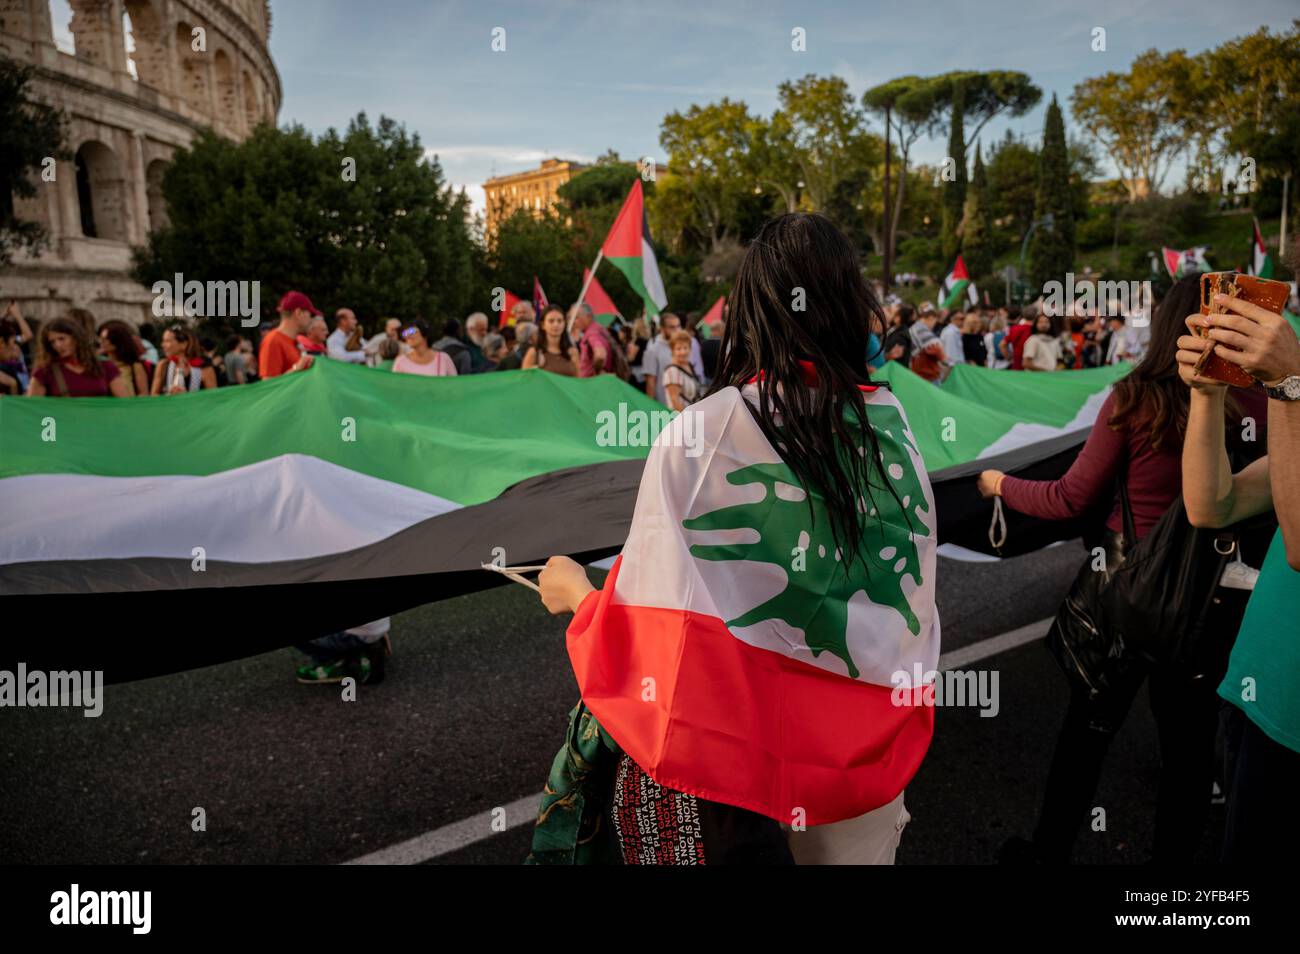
1051 250
977 234
954 191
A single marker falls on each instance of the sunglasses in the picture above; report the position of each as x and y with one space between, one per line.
407 332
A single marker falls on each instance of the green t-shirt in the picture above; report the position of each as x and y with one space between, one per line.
1265 662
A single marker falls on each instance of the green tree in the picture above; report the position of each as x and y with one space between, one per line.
1051 249
1012 171
361 220
910 107
708 150
1138 117
977 239
30 132
826 131
954 188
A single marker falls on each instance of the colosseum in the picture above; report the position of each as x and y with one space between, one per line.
137 80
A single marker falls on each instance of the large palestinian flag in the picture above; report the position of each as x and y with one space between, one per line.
628 247
956 286
736 654
1261 263
180 531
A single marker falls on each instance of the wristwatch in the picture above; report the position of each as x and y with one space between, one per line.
1288 389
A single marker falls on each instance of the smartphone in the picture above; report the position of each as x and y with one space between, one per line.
1258 291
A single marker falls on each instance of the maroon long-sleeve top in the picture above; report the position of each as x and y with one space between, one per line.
1155 477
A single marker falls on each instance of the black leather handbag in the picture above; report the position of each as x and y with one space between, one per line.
1147 605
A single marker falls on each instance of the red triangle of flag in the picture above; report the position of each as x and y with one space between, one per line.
624 238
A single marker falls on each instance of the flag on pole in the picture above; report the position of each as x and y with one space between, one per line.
713 317
602 306
776 688
539 298
957 283
1261 263
628 246
508 308
1180 262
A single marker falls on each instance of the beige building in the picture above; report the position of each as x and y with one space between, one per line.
534 190
145 78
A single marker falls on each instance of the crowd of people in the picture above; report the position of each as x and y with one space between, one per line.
1166 437
932 341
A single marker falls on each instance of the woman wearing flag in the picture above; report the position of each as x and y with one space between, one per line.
753 671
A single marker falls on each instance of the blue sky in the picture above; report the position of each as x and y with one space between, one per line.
580 76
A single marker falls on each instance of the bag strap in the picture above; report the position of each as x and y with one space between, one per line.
59 381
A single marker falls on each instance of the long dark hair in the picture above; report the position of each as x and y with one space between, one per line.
1152 395
804 254
122 338
84 355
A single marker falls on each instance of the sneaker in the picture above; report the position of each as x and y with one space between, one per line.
334 672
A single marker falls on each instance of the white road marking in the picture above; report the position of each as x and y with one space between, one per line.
523 811
453 837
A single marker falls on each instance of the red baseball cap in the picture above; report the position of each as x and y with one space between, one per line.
294 300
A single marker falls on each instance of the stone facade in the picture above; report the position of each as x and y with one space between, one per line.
191 65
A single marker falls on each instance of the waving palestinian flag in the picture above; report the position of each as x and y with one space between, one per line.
1261 263
1180 262
735 654
628 246
957 285
602 306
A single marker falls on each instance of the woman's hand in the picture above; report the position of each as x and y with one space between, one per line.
1189 352
990 483
564 585
1266 344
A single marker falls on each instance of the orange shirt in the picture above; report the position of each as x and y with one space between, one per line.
276 354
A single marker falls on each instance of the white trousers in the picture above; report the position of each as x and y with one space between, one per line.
870 839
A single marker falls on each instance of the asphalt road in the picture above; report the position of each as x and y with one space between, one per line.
468 720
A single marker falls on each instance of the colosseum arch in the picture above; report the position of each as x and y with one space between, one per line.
101 192
227 91
252 102
150 54
193 77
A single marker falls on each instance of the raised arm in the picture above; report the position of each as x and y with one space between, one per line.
1264 344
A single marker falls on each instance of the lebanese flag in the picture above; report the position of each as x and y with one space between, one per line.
955 285
508 308
734 655
602 306
628 246
539 298
713 317
1261 263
